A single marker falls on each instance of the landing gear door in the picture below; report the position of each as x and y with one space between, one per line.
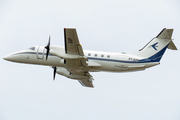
40 52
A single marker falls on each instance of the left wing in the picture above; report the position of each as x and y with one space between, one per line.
73 47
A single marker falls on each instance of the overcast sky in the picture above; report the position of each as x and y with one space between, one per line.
28 92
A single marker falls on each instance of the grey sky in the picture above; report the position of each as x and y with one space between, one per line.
27 92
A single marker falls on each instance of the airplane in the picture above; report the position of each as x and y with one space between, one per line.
73 62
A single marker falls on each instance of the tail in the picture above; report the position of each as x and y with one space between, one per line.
154 50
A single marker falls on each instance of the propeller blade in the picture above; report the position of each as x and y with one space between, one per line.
47 54
54 73
47 47
49 40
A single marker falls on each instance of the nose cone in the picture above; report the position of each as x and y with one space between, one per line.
8 58
16 57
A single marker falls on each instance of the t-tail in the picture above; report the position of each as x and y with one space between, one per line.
154 50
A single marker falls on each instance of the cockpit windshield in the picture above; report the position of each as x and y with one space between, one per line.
32 48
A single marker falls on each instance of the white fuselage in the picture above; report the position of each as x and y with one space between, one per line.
100 61
73 62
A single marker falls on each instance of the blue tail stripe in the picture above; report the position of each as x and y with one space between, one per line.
157 57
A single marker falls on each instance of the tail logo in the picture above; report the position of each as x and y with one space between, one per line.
154 46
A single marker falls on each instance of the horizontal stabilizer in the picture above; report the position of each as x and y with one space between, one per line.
172 46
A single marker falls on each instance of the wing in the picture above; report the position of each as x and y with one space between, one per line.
86 83
83 77
72 45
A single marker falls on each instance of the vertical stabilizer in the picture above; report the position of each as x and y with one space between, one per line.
154 50
165 34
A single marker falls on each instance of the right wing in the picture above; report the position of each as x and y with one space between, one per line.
86 80
86 83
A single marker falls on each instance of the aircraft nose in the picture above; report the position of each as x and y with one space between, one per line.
11 58
8 58
15 57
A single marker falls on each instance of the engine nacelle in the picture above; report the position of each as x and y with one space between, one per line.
66 73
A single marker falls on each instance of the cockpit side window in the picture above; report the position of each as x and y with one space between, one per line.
32 48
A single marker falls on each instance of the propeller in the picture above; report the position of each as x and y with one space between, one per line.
54 73
47 47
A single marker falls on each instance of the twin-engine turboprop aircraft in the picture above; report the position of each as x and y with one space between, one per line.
73 62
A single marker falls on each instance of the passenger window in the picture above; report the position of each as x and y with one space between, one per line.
95 55
89 54
108 56
102 55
